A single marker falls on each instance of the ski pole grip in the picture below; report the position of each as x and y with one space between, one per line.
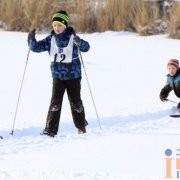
72 29
34 31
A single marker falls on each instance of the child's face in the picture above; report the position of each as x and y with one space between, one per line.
172 69
58 28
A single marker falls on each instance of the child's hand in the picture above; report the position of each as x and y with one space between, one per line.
163 97
31 35
178 106
77 40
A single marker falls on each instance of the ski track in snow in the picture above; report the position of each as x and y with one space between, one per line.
136 127
147 123
28 139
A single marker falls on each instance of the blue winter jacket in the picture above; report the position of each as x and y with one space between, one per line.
63 71
173 83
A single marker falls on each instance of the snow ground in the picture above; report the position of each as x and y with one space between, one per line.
126 73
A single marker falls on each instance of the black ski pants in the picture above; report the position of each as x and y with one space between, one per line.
73 88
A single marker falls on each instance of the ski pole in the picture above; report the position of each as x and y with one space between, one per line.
19 95
89 87
172 101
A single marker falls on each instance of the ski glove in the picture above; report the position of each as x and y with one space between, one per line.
31 35
178 106
163 97
70 30
77 40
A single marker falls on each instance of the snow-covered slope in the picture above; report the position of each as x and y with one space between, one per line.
126 73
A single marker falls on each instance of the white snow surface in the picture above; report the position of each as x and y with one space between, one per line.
126 73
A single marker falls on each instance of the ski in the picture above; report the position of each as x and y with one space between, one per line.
175 115
42 134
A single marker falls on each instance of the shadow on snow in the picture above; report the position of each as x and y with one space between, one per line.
106 122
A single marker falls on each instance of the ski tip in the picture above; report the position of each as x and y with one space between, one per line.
175 115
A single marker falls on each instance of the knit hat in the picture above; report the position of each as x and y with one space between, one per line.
174 62
61 18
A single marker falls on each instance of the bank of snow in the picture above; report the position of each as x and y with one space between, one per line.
126 73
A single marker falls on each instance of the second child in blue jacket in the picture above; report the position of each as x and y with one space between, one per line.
62 45
173 81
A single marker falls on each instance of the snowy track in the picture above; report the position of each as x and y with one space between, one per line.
126 73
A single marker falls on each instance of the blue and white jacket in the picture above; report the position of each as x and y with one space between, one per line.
65 63
173 83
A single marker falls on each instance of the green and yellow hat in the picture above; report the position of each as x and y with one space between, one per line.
61 17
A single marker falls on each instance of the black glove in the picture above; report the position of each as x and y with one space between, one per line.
178 106
70 30
31 35
163 97
77 40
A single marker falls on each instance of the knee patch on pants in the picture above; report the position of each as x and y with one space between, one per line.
78 107
55 108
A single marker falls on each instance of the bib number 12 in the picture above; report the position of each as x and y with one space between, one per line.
63 57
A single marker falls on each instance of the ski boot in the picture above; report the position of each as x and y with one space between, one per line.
81 130
50 134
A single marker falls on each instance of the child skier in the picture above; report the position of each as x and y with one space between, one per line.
173 80
62 45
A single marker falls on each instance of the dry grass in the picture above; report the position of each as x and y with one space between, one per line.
174 22
123 14
23 15
85 15
10 14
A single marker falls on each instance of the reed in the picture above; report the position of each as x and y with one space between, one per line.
85 15
174 22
